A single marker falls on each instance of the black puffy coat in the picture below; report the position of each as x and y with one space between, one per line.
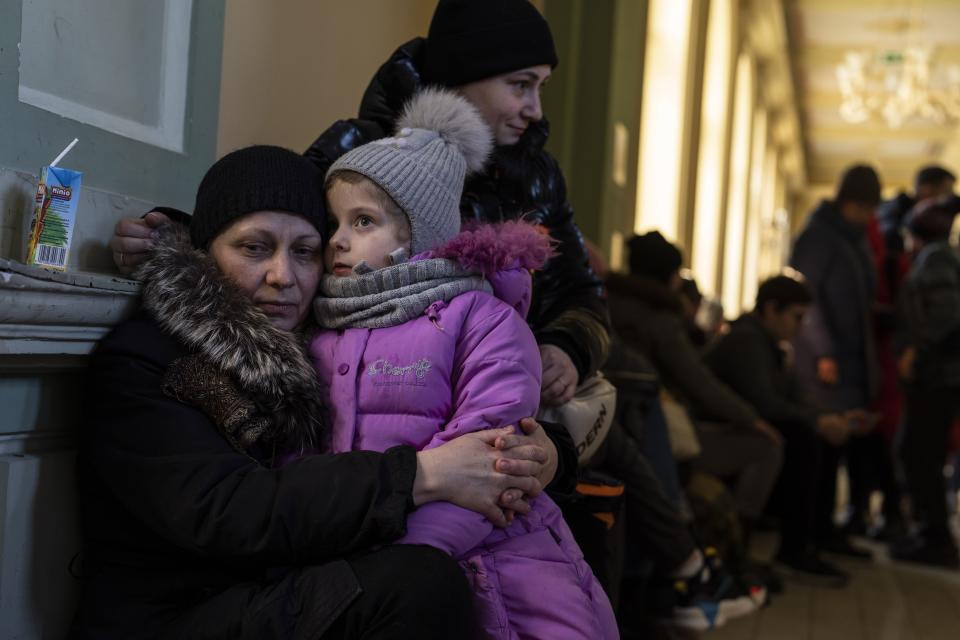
523 181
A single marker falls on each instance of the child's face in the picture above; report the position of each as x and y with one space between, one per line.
361 229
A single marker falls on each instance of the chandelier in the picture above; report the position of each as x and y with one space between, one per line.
898 85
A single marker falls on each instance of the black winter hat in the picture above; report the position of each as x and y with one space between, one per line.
652 255
861 184
931 220
475 39
259 178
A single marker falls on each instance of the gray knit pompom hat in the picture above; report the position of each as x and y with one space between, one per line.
440 138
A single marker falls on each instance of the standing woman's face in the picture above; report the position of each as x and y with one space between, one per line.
509 103
276 259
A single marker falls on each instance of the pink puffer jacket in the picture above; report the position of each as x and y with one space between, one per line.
467 365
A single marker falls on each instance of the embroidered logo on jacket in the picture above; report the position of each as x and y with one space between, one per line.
385 372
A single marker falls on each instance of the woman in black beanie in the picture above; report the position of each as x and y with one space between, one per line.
498 54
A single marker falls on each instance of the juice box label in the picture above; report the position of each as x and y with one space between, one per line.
54 217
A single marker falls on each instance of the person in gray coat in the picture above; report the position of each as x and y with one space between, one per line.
929 306
835 355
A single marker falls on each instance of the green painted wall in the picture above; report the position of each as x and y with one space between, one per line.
597 84
31 137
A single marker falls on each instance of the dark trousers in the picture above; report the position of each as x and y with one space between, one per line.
830 457
405 591
746 458
870 467
795 496
655 526
861 454
923 451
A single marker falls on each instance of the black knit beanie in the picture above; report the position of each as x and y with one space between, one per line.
652 255
861 184
931 220
476 39
259 178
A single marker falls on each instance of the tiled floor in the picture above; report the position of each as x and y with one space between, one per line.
884 601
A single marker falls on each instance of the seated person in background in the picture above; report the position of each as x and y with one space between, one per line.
930 368
423 340
751 359
647 314
690 589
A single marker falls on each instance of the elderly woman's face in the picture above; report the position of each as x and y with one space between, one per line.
276 259
509 102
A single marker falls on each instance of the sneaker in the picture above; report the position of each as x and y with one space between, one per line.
764 575
839 545
916 549
712 596
695 611
810 568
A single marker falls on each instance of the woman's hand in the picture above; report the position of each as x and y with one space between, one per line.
768 430
827 371
905 364
133 238
560 376
464 472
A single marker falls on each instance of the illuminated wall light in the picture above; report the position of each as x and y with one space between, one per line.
662 116
714 126
621 141
616 251
738 186
754 224
771 239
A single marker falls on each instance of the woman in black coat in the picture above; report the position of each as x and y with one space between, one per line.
205 513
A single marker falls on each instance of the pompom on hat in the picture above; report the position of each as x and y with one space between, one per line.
441 138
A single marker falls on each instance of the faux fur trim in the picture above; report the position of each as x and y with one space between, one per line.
651 291
457 121
489 248
192 301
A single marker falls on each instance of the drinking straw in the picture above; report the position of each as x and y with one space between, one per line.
63 153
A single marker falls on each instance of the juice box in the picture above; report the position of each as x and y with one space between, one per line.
54 216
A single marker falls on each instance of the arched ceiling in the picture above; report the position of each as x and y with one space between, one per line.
821 33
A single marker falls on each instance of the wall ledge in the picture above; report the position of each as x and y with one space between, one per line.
51 319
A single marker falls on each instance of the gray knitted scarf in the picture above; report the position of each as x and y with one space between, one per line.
392 295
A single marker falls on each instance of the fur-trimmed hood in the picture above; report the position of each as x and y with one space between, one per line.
505 254
193 302
650 291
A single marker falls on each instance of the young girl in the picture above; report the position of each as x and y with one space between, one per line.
419 351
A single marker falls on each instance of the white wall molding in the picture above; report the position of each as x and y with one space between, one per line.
45 313
162 123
